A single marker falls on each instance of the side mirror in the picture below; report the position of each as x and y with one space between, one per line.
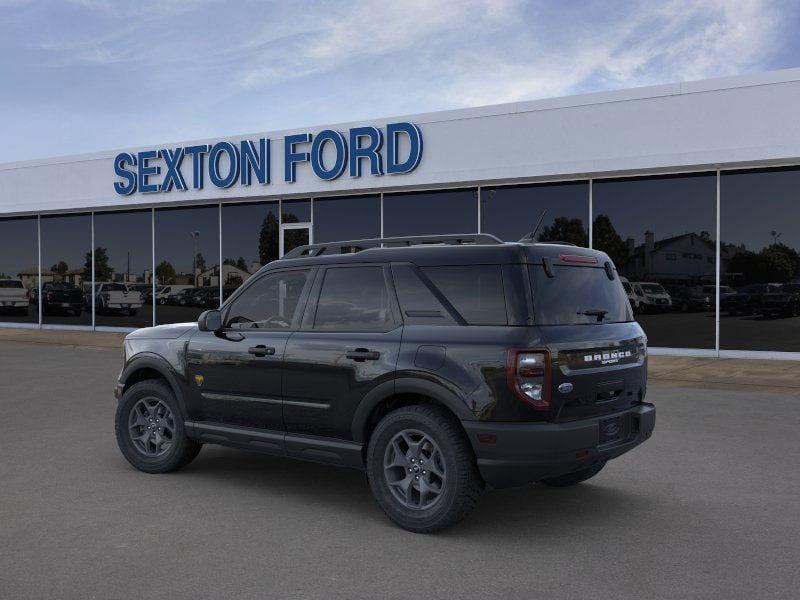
210 320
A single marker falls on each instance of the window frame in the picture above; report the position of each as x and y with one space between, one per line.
301 302
310 313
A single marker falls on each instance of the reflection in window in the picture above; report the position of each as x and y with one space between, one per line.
430 213
353 299
760 260
66 269
347 218
123 268
249 241
512 212
19 270
269 303
660 233
296 211
187 262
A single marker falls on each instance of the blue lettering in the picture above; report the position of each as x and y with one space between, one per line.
253 160
122 159
197 153
318 147
213 164
173 176
393 131
290 157
146 170
371 151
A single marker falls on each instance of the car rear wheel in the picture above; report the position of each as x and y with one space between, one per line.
575 476
422 470
150 431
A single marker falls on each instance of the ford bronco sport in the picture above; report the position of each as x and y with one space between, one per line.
437 365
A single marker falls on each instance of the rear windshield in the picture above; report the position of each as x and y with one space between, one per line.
577 295
10 283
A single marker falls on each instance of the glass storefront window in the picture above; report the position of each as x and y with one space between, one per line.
430 213
19 270
510 213
187 262
760 260
296 211
660 233
66 269
347 218
249 241
123 268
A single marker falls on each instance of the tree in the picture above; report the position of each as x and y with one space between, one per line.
200 262
241 264
102 270
565 229
268 240
165 273
60 268
607 239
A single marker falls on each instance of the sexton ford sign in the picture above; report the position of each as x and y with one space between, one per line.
225 164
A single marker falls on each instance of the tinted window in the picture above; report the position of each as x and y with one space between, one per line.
349 218
661 234
296 211
512 212
417 302
354 299
475 291
430 213
760 244
577 295
187 255
123 254
249 240
19 266
269 303
67 260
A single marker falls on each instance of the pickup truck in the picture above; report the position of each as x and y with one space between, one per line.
14 298
115 298
61 297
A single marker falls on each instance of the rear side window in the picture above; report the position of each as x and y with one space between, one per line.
475 291
577 295
354 299
417 302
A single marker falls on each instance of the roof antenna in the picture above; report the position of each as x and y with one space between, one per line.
531 237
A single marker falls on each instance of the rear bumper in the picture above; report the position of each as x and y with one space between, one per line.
528 452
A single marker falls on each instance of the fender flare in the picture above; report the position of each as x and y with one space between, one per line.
407 385
148 360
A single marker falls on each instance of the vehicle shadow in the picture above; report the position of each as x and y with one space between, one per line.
510 512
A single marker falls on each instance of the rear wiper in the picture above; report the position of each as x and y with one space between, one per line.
594 312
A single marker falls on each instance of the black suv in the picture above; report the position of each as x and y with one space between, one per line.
437 365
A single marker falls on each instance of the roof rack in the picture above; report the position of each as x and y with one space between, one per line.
352 246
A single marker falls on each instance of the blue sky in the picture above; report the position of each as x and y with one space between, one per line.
86 75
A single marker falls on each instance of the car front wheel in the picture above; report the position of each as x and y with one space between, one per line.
422 470
150 431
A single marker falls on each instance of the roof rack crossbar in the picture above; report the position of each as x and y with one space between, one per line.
478 239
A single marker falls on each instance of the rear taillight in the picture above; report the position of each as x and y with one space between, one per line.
528 373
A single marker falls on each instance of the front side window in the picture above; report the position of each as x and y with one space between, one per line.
270 303
354 299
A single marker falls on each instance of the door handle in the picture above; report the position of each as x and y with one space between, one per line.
362 354
261 350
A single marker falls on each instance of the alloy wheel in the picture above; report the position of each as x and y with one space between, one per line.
414 469
151 427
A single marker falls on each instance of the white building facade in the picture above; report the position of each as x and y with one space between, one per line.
688 185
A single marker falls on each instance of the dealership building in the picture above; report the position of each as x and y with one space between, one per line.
692 188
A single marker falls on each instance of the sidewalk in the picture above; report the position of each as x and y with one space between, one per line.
699 373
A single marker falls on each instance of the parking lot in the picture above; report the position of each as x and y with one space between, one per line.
706 509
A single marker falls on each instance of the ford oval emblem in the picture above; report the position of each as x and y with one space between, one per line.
565 388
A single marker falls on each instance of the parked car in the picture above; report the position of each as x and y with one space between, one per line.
163 294
114 298
205 297
785 301
14 298
183 297
62 298
747 301
428 367
725 291
145 291
691 299
633 298
652 296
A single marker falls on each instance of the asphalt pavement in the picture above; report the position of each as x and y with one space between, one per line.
708 508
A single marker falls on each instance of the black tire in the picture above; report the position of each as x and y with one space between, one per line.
181 450
461 488
574 477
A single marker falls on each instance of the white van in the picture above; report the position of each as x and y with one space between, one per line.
169 290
